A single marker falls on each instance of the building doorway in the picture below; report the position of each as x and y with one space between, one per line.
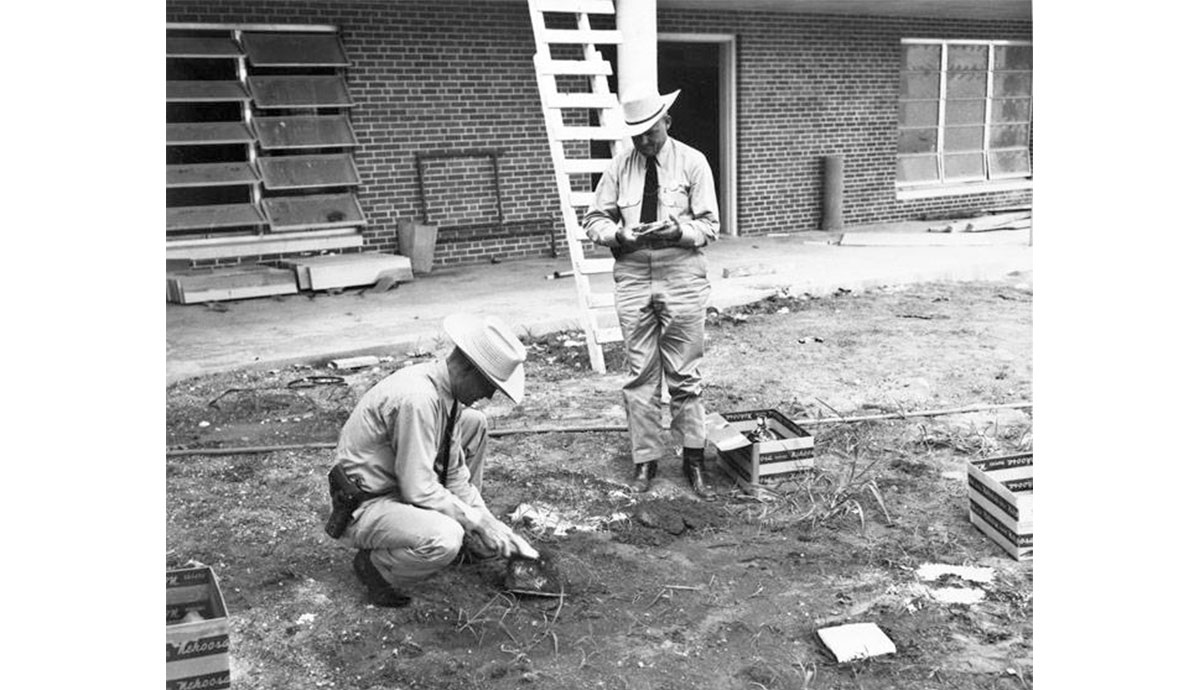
704 116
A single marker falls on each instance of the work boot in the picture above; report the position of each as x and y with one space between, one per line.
379 592
693 470
646 472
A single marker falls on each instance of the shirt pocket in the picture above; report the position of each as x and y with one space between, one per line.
674 196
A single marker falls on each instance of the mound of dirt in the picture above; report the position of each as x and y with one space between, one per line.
658 521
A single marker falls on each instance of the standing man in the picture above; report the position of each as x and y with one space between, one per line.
656 208
409 468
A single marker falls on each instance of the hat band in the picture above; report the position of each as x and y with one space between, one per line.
648 118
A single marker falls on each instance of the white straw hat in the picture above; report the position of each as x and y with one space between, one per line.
641 113
493 348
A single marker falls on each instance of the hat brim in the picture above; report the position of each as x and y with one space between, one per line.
457 326
637 128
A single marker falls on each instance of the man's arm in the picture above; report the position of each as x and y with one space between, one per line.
705 222
603 219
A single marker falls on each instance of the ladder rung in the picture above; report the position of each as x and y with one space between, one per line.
599 300
605 36
585 165
592 267
609 335
581 198
589 133
582 100
546 65
585 6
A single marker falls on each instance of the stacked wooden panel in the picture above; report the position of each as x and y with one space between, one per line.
237 282
1000 501
332 271
259 142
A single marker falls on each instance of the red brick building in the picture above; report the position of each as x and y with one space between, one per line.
448 128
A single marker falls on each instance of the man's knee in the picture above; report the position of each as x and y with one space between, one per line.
440 547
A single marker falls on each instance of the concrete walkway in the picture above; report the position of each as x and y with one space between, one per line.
313 327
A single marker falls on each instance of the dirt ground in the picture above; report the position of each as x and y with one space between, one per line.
661 591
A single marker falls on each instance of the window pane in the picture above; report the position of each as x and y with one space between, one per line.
1010 110
1009 162
1014 57
966 85
916 113
918 141
967 58
916 169
1009 136
964 138
922 57
1013 84
965 112
919 85
962 166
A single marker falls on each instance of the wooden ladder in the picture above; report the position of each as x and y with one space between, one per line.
594 70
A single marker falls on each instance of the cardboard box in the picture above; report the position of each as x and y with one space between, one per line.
1000 501
198 650
753 464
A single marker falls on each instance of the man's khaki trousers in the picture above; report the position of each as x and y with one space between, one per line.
661 297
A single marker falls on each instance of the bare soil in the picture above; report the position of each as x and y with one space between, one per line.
661 591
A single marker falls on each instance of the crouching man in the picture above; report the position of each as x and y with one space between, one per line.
406 482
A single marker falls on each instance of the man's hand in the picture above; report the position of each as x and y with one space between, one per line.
668 230
499 538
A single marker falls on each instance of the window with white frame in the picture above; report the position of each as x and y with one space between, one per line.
966 112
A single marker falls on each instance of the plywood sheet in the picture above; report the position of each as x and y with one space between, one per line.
304 131
313 211
302 172
208 133
229 283
206 91
345 270
213 216
211 174
308 91
294 50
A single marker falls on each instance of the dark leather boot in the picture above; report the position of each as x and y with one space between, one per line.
693 470
646 471
379 592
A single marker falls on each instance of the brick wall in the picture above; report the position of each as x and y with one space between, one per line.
457 75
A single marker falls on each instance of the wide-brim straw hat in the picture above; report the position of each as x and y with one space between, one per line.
494 350
641 113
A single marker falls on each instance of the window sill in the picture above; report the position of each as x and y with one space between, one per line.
910 193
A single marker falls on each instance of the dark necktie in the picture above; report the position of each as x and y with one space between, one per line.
650 192
444 449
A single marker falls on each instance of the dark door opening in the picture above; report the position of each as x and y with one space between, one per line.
695 69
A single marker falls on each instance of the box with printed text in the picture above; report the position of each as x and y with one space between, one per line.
1000 501
197 631
751 462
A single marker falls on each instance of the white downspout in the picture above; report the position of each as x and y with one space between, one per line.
637 55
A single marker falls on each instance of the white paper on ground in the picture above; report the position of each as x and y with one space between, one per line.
856 641
957 595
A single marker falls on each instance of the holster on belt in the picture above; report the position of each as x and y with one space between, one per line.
346 495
